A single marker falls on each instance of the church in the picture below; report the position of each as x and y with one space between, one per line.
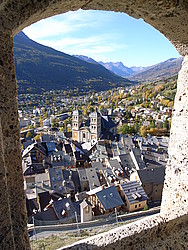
98 126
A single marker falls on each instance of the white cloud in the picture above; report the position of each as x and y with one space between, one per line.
48 28
66 24
97 47
88 33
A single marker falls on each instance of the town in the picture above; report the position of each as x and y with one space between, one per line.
94 154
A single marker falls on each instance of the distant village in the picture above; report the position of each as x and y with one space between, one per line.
88 168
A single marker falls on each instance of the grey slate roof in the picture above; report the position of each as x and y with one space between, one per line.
127 142
107 122
114 164
134 192
80 156
107 172
47 215
97 164
92 178
36 146
126 161
44 199
45 138
154 175
60 159
76 181
68 148
50 146
121 148
116 167
114 148
26 144
32 168
58 181
109 198
64 204
137 154
82 174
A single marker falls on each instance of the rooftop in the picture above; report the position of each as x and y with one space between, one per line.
134 192
154 175
109 198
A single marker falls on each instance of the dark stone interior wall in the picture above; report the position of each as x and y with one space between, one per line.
13 230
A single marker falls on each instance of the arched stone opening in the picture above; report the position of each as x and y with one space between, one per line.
171 19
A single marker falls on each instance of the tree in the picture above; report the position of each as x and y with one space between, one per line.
125 129
165 102
171 104
29 135
166 125
62 129
153 131
132 130
143 131
36 138
84 111
54 123
145 207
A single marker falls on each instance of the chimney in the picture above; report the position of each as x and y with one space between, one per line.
44 163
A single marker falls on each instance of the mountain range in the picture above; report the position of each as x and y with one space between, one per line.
152 73
40 68
160 71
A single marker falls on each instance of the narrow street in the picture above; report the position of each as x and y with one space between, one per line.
45 231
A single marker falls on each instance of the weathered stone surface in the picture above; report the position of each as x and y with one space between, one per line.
149 233
171 19
13 231
175 192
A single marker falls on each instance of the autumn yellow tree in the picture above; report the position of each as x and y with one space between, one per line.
171 104
143 131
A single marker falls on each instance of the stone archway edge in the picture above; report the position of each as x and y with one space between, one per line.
171 19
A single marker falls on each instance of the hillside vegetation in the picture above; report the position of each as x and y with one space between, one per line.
160 71
40 68
144 96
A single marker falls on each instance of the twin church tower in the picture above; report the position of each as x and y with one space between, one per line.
86 132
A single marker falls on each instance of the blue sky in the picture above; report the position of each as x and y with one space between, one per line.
103 36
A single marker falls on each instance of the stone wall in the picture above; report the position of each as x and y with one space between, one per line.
175 192
151 233
170 18
13 231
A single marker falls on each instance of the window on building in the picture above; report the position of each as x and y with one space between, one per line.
87 209
135 206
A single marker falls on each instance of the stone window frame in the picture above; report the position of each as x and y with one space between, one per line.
169 20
